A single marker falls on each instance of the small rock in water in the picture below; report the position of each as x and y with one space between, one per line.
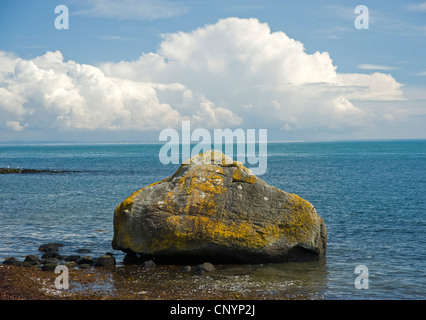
12 261
73 258
85 260
32 259
51 254
105 261
50 247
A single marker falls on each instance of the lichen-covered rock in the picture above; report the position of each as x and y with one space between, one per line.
215 208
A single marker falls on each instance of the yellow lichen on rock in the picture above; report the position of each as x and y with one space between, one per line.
128 202
300 223
200 186
185 231
243 174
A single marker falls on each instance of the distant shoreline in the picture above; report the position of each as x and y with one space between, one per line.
29 171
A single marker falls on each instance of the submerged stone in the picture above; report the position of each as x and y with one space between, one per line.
215 209
50 247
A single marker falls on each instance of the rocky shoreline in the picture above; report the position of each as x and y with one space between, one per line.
51 258
23 171
93 278
135 278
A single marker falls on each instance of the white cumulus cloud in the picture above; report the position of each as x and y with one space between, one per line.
48 92
236 72
241 62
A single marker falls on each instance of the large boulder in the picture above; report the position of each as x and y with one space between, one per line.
215 209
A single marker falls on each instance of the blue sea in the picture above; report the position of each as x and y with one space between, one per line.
371 195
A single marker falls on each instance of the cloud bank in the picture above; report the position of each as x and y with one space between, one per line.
235 73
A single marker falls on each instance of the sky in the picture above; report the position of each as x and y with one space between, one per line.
117 71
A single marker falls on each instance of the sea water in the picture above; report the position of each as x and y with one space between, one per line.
371 195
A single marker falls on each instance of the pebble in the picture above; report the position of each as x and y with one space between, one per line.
150 264
204 267
187 269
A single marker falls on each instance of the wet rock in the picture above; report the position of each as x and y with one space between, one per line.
52 254
49 266
73 258
85 260
50 247
84 266
12 261
104 261
32 259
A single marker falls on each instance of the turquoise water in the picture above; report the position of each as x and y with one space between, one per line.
371 195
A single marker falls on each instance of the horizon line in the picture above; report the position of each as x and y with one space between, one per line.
152 142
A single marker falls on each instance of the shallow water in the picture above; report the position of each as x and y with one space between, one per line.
370 194
269 281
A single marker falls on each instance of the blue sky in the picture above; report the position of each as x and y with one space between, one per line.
339 83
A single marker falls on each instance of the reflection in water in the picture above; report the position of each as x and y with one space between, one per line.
295 280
